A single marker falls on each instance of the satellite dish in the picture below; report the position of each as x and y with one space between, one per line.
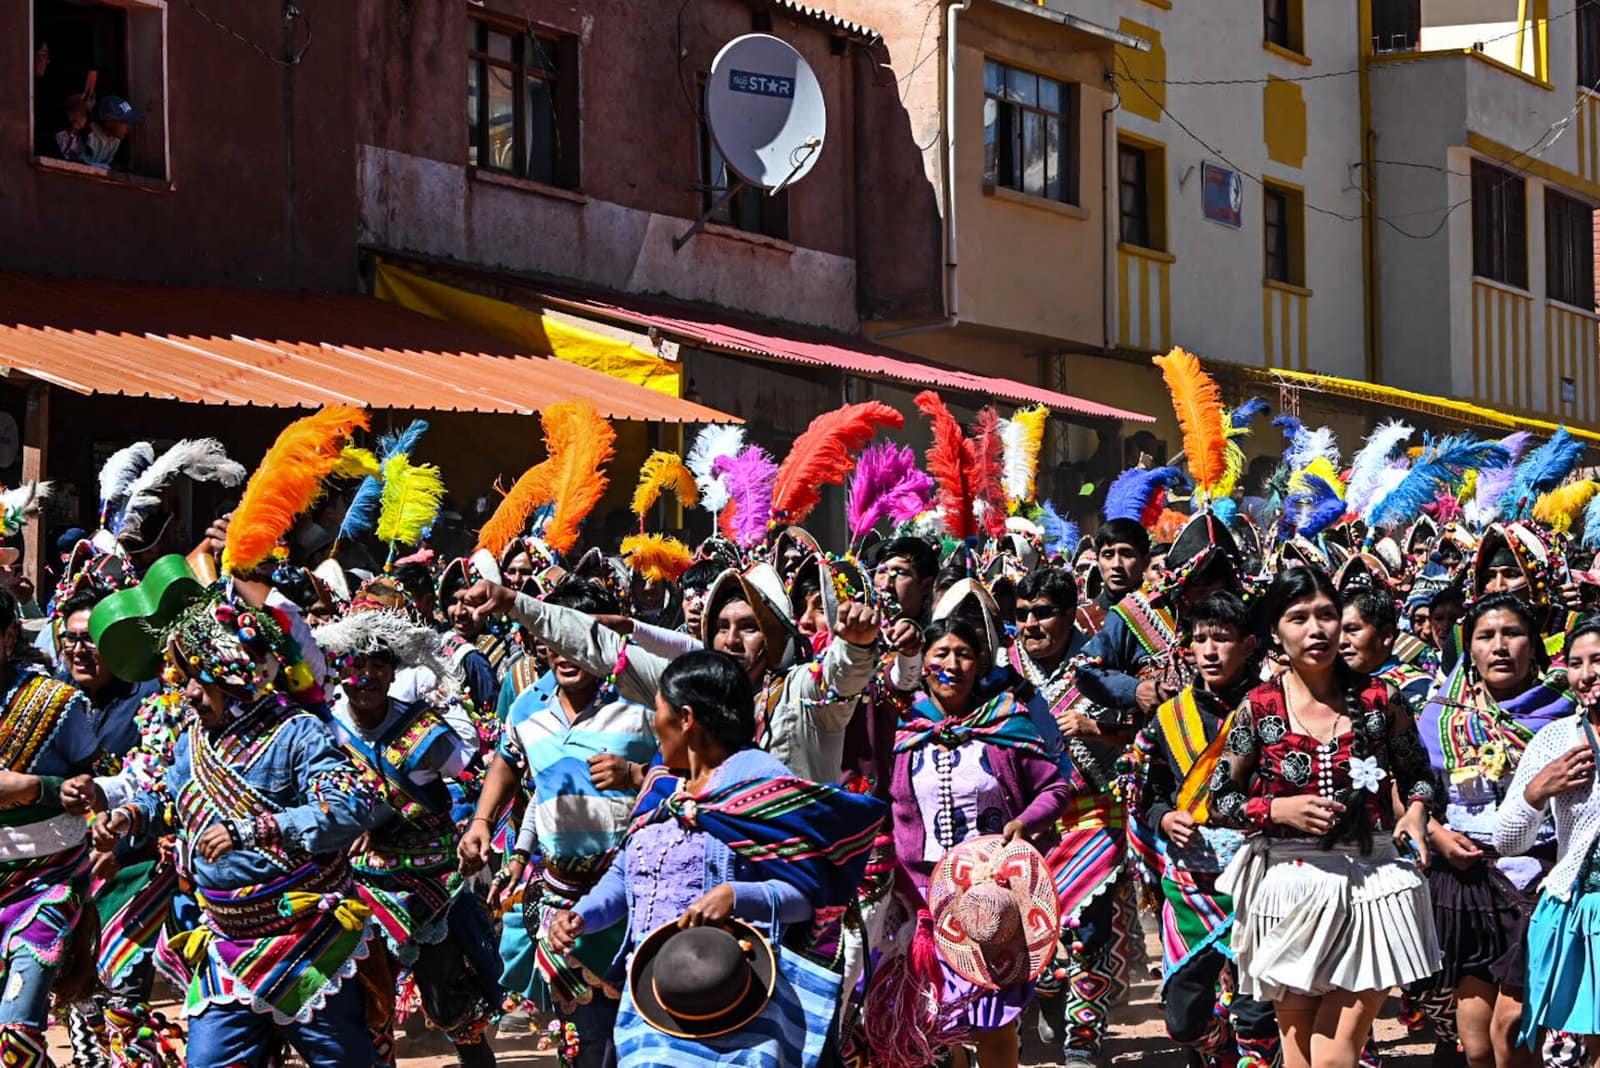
764 107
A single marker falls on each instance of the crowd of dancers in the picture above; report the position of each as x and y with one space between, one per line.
751 801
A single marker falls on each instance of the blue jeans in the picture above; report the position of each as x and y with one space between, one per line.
231 1036
26 998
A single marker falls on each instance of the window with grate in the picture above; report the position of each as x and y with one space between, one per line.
1396 25
1275 215
1568 250
1499 225
1029 133
522 102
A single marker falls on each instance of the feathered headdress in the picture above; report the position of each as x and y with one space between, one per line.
1139 493
949 462
580 444
510 517
1059 535
1240 418
286 483
1591 524
824 455
1022 437
19 505
712 443
375 631
1315 508
1560 507
1197 402
662 471
748 478
1372 460
1490 485
988 474
886 484
1238 426
657 557
118 473
201 459
412 497
1543 470
361 517
1441 468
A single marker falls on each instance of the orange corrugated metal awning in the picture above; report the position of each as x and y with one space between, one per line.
289 350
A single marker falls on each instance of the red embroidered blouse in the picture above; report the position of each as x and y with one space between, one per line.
1264 758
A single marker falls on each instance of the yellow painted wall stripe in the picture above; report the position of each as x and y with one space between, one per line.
1266 328
1146 334
1477 342
1166 305
1123 332
1305 345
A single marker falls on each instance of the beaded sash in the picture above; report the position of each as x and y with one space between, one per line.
31 720
217 787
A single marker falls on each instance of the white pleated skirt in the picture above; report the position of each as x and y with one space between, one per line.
1309 920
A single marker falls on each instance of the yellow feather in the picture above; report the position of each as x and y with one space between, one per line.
1561 505
660 472
1323 469
1232 470
656 556
355 462
412 495
1028 443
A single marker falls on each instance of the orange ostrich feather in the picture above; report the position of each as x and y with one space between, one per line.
825 455
510 517
580 443
657 557
287 482
949 461
1197 402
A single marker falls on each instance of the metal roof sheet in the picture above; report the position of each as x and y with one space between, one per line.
289 350
717 332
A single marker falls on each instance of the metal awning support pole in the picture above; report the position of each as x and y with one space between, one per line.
705 217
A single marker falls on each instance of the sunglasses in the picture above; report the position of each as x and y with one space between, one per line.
1042 612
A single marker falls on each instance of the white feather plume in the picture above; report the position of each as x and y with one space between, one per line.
118 473
1372 460
366 632
716 440
1017 468
202 459
1313 445
18 505
1387 480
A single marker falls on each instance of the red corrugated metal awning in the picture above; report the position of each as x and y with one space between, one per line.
289 350
720 333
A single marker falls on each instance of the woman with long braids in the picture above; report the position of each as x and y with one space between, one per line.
1476 730
1328 915
1556 780
966 764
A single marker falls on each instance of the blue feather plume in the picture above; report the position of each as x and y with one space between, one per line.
1059 535
1292 428
1316 507
398 441
1591 524
540 518
1442 469
1225 509
1543 470
1133 490
1241 417
367 502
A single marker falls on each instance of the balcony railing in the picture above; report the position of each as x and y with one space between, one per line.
1284 326
1144 298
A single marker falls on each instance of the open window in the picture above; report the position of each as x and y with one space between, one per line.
522 101
86 56
751 209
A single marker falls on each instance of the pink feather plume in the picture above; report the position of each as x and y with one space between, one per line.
887 484
749 478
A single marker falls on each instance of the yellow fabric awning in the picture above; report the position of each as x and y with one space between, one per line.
528 327
1425 403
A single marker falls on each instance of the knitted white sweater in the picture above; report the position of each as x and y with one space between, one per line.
1576 812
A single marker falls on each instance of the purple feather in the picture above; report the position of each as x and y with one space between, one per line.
887 484
749 478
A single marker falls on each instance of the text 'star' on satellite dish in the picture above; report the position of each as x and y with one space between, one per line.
765 110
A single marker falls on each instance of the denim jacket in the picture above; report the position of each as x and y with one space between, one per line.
761 903
320 803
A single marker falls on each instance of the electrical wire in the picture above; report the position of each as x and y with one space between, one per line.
291 14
